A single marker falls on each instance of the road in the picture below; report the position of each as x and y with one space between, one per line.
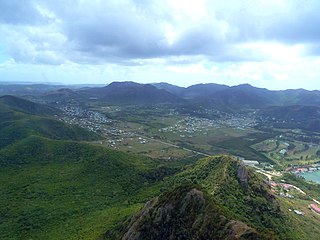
173 145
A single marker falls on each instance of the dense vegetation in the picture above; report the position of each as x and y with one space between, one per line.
53 186
183 213
209 199
67 190
21 118
242 146
241 193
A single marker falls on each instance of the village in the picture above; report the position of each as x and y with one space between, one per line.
290 191
304 168
190 125
115 133
285 190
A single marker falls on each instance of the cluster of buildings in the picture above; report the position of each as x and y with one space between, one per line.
303 169
90 120
98 123
284 190
190 125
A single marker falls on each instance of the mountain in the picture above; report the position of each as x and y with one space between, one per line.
240 97
295 116
170 88
62 95
243 96
26 89
211 95
217 198
20 118
53 189
131 93
184 213
203 90
26 106
297 97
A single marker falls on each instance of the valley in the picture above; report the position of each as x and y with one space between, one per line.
87 165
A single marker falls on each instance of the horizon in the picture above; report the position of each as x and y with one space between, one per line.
148 83
267 44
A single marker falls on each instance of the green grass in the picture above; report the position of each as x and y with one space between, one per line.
307 226
297 152
242 146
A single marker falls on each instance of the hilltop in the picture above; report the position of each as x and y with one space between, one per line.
131 93
184 213
217 198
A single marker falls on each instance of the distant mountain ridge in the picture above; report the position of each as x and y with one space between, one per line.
243 96
209 95
131 93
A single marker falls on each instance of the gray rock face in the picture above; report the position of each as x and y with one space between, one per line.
185 214
242 175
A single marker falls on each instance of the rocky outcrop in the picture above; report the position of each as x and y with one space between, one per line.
185 213
242 175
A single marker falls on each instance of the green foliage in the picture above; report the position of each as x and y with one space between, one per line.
184 212
313 189
242 146
26 106
68 190
17 125
245 197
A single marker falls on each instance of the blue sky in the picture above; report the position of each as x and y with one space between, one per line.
266 43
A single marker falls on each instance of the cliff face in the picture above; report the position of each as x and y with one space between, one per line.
242 175
184 213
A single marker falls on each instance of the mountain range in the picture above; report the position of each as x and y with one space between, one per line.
242 96
219 96
57 185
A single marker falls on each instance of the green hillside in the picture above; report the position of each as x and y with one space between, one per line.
184 213
67 190
240 191
217 198
55 187
26 106
18 121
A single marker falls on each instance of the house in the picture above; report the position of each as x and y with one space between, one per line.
298 212
315 207
283 151
250 162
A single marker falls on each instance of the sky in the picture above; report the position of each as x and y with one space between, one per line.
267 43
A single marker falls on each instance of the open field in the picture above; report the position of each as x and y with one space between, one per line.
288 152
306 225
163 133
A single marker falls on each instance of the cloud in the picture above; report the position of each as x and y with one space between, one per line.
123 31
299 25
128 36
18 12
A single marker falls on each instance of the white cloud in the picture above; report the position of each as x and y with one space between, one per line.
265 43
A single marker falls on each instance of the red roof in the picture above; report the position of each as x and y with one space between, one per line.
273 184
315 207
